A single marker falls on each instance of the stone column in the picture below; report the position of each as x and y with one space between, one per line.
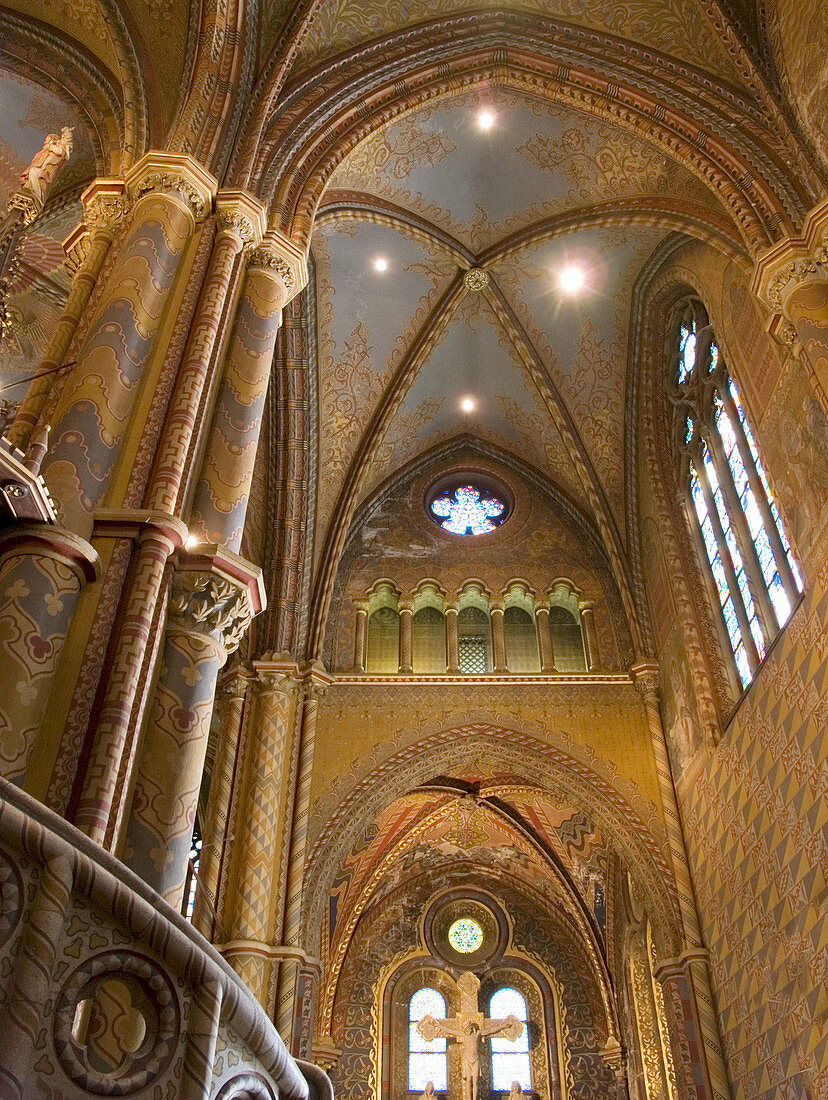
276 271
287 1006
590 639
498 638
42 570
171 194
213 599
257 904
452 640
614 1056
791 280
215 828
694 1015
360 636
406 621
547 649
105 204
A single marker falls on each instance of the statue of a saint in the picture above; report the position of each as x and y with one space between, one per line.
40 175
429 1093
516 1092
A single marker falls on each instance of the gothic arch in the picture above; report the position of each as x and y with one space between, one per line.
320 120
547 766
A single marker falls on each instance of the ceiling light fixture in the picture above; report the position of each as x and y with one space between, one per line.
380 264
571 279
467 404
486 120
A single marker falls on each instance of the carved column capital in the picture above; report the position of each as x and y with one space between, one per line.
281 258
176 174
645 679
792 262
105 203
237 211
215 593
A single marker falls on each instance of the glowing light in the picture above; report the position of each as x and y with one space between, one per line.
467 404
380 264
191 541
465 935
485 119
571 279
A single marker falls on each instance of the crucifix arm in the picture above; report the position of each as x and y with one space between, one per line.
511 1028
431 1029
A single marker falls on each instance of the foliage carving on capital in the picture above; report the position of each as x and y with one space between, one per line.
205 603
178 185
792 273
106 211
645 680
267 258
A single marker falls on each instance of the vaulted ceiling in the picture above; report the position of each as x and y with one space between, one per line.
432 195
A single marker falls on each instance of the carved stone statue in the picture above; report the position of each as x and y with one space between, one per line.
429 1093
516 1091
46 164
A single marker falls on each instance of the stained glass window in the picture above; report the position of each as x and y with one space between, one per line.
191 882
751 563
510 1060
426 1060
468 510
465 935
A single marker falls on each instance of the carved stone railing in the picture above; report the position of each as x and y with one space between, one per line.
108 991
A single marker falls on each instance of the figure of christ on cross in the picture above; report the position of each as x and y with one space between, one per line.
468 1027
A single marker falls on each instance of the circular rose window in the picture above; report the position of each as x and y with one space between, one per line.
468 505
465 935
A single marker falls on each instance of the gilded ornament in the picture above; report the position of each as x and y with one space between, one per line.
176 183
267 258
476 279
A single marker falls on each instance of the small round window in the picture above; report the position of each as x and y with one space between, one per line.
468 505
465 936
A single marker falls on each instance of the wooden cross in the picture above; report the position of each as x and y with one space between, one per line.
468 1027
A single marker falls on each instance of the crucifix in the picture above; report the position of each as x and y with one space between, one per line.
468 1027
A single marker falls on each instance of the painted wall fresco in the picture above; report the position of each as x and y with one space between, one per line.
677 27
27 114
799 33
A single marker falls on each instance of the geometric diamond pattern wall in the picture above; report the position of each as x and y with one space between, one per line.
756 823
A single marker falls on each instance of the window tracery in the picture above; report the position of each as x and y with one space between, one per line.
748 554
427 1060
510 1059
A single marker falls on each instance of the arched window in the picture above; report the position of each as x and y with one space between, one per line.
474 640
751 565
426 1060
428 641
521 640
384 641
567 640
510 1060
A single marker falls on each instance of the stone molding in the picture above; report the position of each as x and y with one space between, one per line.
278 255
54 542
240 211
176 173
792 261
134 926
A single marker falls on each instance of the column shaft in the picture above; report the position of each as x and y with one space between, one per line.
214 831
360 638
590 639
406 621
452 640
545 645
498 640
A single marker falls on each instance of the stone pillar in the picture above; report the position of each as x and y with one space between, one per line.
276 271
452 640
590 639
498 638
406 621
614 1056
544 629
287 1001
360 636
214 833
791 280
697 1027
42 570
214 597
159 537
258 905
171 194
105 203
241 222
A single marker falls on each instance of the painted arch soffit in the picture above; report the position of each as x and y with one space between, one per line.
678 28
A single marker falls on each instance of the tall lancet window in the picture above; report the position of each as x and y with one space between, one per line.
751 565
426 1059
510 1059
